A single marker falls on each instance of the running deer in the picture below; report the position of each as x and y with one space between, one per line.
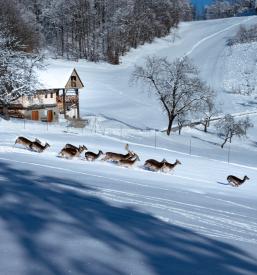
38 147
110 156
70 146
167 167
23 141
155 165
235 181
90 156
129 162
71 153
26 142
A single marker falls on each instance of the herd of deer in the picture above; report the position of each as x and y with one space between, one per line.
70 151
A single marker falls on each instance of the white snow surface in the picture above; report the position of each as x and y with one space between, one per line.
50 78
109 91
61 216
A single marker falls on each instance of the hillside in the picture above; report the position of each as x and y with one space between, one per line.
108 90
69 216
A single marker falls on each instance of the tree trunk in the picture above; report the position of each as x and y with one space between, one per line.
171 119
179 130
205 126
225 141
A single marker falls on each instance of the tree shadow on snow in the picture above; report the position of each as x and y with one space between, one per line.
47 216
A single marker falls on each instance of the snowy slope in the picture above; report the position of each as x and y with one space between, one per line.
73 217
108 90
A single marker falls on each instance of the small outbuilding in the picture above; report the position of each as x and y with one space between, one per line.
58 94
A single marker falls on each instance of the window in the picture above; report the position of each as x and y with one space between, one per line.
52 95
73 81
45 95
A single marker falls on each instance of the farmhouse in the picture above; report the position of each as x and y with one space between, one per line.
58 94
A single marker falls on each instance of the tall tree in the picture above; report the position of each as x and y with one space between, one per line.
176 85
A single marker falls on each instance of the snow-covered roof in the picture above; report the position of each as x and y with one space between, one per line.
54 77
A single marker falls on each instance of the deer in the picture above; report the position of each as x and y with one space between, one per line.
26 142
129 162
169 166
71 153
90 156
70 146
115 157
23 141
155 165
235 181
38 147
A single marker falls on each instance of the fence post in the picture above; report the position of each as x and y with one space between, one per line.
155 138
190 145
95 124
228 153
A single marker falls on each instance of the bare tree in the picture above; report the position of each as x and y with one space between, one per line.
176 85
228 127
182 121
208 109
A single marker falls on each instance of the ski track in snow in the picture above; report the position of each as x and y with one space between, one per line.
200 222
215 34
197 217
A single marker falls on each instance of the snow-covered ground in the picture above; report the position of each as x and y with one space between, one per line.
61 216
108 89
73 217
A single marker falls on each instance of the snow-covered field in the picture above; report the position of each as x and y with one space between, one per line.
61 216
73 217
108 89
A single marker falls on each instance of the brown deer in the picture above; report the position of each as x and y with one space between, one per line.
90 156
26 142
167 167
155 165
129 162
115 157
70 146
71 153
23 141
38 147
235 181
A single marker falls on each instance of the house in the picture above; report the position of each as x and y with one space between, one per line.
57 94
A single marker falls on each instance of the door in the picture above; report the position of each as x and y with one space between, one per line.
49 115
34 115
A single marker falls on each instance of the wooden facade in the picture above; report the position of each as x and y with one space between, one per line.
48 104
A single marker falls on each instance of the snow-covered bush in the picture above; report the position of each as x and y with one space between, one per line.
17 70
